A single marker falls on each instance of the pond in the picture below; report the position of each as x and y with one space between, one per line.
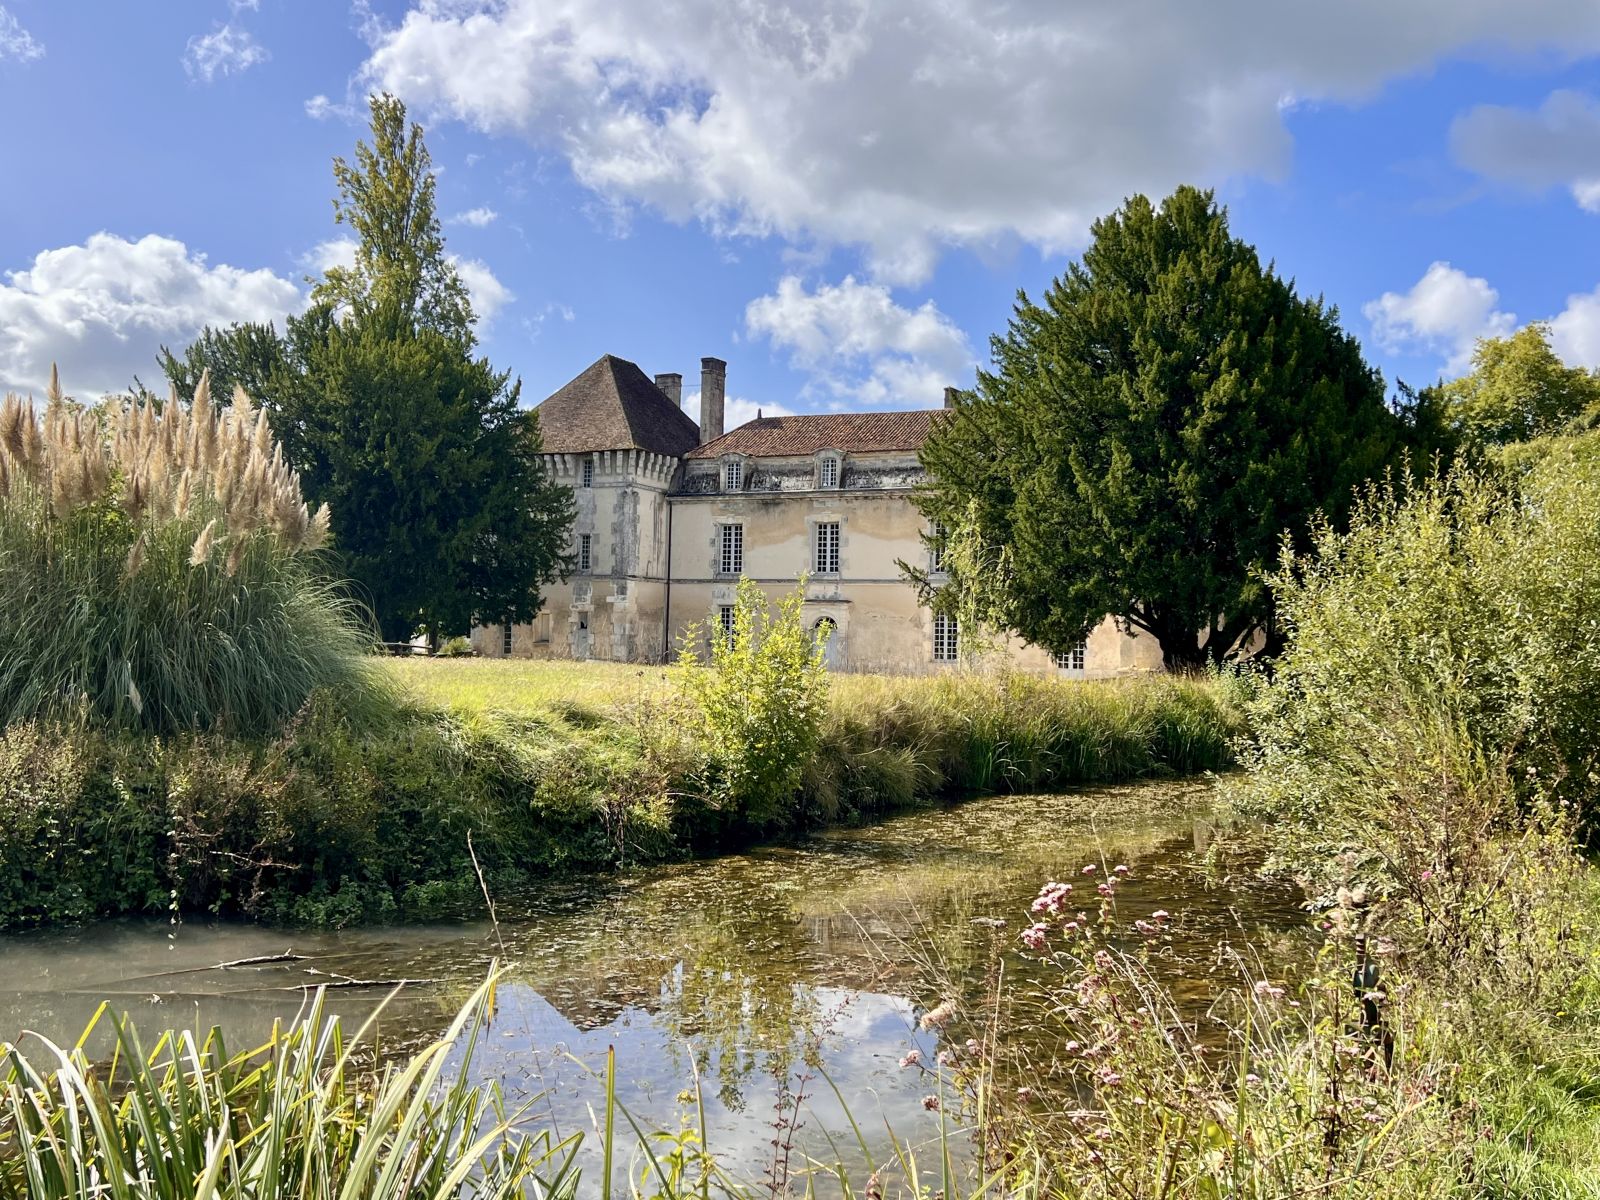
728 968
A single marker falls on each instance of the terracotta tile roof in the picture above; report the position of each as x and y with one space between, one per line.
854 433
613 405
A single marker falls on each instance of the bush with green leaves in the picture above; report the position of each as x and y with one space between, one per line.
761 700
159 571
1442 684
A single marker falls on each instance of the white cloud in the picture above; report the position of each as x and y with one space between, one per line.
1557 145
488 294
1445 312
476 217
335 252
736 410
15 41
858 344
102 309
319 107
906 127
226 50
1575 330
1448 310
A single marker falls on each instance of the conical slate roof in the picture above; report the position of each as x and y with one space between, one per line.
614 405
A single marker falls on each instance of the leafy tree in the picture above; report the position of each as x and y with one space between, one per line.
401 279
441 507
1146 436
1518 390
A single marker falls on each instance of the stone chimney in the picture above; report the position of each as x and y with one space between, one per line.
672 385
950 395
713 389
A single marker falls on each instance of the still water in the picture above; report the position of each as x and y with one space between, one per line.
740 969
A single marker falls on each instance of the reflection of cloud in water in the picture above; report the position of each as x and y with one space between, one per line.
531 1047
726 964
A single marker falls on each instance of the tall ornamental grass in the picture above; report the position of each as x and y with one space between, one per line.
158 570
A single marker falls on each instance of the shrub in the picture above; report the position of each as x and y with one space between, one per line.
1443 680
760 701
457 647
158 571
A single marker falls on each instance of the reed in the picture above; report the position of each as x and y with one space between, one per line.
159 570
296 1117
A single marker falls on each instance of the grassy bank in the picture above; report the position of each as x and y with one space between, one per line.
545 767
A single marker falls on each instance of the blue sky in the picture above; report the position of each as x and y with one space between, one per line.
839 197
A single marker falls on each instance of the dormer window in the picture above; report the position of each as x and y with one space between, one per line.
733 475
828 469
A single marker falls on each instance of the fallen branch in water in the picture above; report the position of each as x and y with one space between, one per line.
346 981
258 960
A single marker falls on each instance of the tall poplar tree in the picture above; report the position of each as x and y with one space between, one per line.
442 511
1146 437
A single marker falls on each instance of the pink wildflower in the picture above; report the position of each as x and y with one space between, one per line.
1120 869
1089 870
931 1103
1024 1094
1160 914
1034 937
1265 988
911 1059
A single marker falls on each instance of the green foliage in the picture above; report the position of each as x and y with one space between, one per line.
1518 390
339 820
1147 434
1444 675
456 647
298 1117
760 701
442 511
401 280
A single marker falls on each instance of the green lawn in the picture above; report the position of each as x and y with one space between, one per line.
523 686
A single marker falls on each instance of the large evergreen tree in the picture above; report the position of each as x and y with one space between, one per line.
441 507
1145 438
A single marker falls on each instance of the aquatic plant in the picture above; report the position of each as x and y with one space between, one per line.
159 569
300 1116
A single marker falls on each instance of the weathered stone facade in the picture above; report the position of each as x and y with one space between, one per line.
827 497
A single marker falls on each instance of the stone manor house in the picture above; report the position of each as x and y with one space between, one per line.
671 514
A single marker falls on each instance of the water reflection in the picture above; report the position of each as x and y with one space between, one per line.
736 970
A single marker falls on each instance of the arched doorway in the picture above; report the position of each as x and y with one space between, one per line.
833 649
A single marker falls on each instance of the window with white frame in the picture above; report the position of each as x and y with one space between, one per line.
505 644
731 560
827 556
725 623
585 552
588 472
936 548
828 471
732 475
946 638
1073 659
